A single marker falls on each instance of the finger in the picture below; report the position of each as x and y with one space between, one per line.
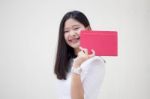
84 50
93 53
80 53
81 48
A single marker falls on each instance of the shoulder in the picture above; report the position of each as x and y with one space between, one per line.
94 61
97 58
92 68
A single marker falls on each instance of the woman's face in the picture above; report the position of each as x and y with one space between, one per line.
72 30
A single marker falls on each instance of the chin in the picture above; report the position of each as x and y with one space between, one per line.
75 46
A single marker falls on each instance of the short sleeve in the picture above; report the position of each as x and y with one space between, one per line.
92 76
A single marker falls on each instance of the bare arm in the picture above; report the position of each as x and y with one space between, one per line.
77 91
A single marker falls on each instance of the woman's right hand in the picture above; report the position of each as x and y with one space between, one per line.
82 56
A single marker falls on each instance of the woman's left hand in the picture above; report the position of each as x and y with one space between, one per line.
83 55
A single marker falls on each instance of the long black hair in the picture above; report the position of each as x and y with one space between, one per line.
65 52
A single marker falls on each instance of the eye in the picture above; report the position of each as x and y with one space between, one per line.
76 28
66 31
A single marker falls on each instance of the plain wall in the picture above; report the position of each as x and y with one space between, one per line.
28 40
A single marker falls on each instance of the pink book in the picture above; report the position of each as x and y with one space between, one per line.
105 43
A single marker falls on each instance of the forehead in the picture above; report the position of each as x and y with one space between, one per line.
71 23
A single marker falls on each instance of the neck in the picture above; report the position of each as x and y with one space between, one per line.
77 51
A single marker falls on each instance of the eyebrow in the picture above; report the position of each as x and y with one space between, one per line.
75 25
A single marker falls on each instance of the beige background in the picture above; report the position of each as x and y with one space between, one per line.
28 39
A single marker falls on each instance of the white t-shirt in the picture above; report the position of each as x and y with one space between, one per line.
92 76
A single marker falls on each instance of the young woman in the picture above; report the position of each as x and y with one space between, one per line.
79 74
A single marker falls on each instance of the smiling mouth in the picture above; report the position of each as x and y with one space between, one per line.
74 40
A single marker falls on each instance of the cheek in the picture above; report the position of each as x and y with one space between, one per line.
80 30
65 37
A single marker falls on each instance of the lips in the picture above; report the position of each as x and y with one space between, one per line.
74 40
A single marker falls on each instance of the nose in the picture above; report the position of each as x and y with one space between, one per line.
72 33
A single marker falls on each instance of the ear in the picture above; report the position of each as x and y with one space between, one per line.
88 28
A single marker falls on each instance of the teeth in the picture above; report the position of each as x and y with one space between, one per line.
75 40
